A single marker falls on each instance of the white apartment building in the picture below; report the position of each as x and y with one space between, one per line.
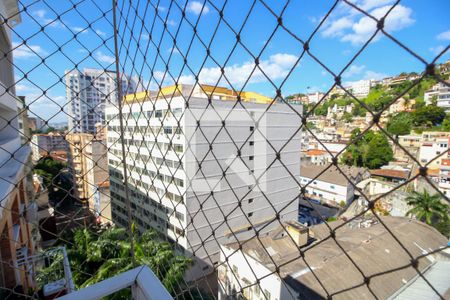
176 177
88 93
43 144
430 152
361 88
331 186
441 94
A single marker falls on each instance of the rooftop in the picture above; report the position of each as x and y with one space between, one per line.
394 174
369 245
202 90
331 174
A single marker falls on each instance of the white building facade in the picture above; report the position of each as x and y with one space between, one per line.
176 174
430 152
361 88
439 93
41 144
88 93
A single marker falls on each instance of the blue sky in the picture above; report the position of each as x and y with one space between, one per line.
423 26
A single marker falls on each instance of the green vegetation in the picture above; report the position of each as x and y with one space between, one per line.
431 210
428 116
58 183
48 130
371 151
96 256
400 124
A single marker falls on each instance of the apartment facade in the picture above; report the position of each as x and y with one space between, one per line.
440 93
44 144
88 93
88 163
177 186
329 184
361 88
16 191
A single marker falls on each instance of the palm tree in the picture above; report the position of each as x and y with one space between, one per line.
427 208
97 256
113 250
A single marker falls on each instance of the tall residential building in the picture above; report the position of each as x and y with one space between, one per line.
44 144
178 187
88 92
16 189
89 165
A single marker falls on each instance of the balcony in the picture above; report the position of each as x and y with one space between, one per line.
143 283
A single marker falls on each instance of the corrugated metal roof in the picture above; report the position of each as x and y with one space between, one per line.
417 288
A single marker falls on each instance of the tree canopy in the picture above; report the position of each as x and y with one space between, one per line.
400 124
96 256
58 183
430 209
372 150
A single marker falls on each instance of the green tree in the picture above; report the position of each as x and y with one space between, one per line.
96 256
427 208
347 117
430 115
379 152
400 124
58 182
372 150
446 124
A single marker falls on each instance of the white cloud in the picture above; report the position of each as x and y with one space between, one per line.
161 8
277 66
398 18
27 51
40 104
351 27
195 7
445 36
437 50
175 50
374 75
370 4
77 29
368 75
353 70
100 33
337 27
171 22
40 13
104 57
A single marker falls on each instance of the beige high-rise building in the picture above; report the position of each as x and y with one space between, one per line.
89 164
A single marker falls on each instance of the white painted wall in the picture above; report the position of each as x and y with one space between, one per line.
277 187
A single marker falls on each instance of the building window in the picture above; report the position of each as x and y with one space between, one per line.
250 157
235 271
332 187
250 200
251 143
250 214
267 294
252 128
